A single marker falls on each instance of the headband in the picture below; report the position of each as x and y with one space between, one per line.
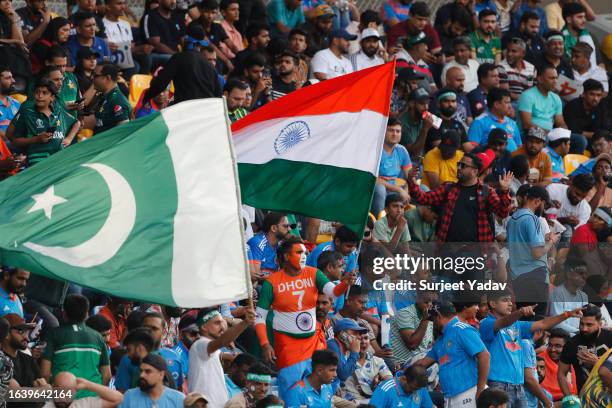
260 378
208 316
604 216
554 38
446 95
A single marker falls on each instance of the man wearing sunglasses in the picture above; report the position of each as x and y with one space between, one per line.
25 368
263 245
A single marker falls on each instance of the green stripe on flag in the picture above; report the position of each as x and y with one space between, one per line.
316 190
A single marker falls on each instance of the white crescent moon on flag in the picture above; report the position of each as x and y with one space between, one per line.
109 239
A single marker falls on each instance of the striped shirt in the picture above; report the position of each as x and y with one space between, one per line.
519 79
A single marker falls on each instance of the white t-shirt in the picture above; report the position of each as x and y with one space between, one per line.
325 62
120 33
471 74
362 61
558 192
206 373
595 72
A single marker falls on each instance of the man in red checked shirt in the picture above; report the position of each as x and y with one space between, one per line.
292 293
467 208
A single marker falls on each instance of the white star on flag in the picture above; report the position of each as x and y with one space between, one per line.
46 201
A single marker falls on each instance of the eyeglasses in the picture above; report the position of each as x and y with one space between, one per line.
461 165
290 226
367 233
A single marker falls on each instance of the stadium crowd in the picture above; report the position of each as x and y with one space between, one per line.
499 146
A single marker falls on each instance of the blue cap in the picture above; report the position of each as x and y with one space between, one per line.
348 324
342 33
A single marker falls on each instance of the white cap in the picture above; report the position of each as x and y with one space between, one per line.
369 32
558 134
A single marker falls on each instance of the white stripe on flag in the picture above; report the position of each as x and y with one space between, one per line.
209 264
345 139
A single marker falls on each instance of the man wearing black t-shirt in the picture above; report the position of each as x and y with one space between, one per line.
584 349
215 33
164 29
25 368
283 82
585 114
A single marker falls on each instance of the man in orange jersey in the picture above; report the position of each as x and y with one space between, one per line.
292 292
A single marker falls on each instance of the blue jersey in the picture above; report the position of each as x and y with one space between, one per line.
394 164
390 394
507 361
128 373
558 164
8 111
135 398
350 261
263 252
302 394
482 126
10 304
455 353
99 45
183 355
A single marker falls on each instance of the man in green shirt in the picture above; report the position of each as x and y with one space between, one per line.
392 229
76 348
66 81
486 46
575 30
114 108
235 92
42 127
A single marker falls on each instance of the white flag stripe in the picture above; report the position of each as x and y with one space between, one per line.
355 134
209 264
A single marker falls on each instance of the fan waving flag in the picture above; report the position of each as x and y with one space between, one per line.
316 151
149 210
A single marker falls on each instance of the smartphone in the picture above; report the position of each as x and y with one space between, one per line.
266 74
400 42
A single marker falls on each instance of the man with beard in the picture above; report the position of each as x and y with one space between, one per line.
12 285
188 334
257 384
502 332
414 126
284 79
319 29
529 29
417 23
528 249
264 244
460 24
575 30
8 105
470 358
205 370
331 62
455 80
586 114
466 209
25 368
139 343
583 350
104 396
571 208
498 142
258 37
554 55
538 159
446 101
497 117
368 56
440 163
155 322
151 389
325 329
486 46
517 72
569 295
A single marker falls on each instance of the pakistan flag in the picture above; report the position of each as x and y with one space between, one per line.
149 210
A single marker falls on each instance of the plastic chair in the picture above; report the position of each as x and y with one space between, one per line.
572 161
138 84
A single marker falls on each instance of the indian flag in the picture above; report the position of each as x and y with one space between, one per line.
316 151
149 210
